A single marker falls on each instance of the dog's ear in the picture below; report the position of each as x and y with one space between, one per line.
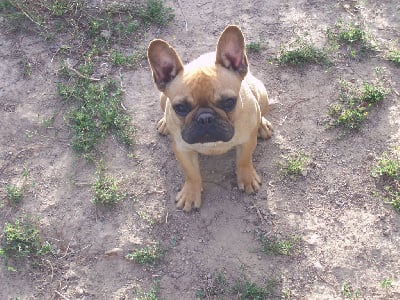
164 62
231 51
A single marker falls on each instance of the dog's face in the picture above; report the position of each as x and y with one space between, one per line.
203 95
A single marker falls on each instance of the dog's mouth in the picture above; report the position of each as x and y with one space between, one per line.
207 127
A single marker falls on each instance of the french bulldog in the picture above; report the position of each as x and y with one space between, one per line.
210 106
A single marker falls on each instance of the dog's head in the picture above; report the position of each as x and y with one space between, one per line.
204 95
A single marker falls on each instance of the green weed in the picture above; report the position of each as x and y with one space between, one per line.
275 246
146 255
253 47
21 239
246 290
97 111
355 103
150 295
348 292
61 7
216 285
294 164
106 190
301 53
387 169
353 37
14 193
155 12
394 56
119 59
387 284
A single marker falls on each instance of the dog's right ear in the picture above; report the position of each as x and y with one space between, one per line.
164 62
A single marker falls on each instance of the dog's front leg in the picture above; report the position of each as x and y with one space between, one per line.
247 177
190 194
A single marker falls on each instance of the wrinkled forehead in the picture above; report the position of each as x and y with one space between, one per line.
207 84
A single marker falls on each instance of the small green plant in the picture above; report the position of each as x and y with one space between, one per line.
155 12
301 53
14 193
253 47
216 285
97 110
119 59
387 169
348 292
294 164
147 255
246 290
275 246
355 103
21 239
60 7
394 56
150 295
386 284
106 190
352 36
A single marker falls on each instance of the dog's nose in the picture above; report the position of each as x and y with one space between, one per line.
205 119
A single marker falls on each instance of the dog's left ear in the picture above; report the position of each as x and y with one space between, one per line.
231 52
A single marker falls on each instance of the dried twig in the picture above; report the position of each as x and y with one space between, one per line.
61 295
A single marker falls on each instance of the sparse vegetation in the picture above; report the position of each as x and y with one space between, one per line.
216 285
387 284
278 246
97 110
14 193
253 47
301 53
353 37
147 255
394 56
355 103
106 190
247 290
21 239
150 295
348 292
387 169
155 12
294 165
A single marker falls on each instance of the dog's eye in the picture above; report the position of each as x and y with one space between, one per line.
228 104
182 109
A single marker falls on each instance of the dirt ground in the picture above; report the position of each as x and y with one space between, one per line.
348 236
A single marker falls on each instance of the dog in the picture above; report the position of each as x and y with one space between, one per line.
210 106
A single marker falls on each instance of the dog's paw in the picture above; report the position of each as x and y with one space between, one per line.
162 127
265 129
248 180
188 197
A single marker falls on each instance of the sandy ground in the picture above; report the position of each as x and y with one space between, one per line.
347 234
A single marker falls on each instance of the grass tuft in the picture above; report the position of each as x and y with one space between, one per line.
301 53
294 165
352 37
394 56
150 295
387 169
246 290
355 103
275 246
149 255
97 112
21 239
155 12
14 193
106 190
